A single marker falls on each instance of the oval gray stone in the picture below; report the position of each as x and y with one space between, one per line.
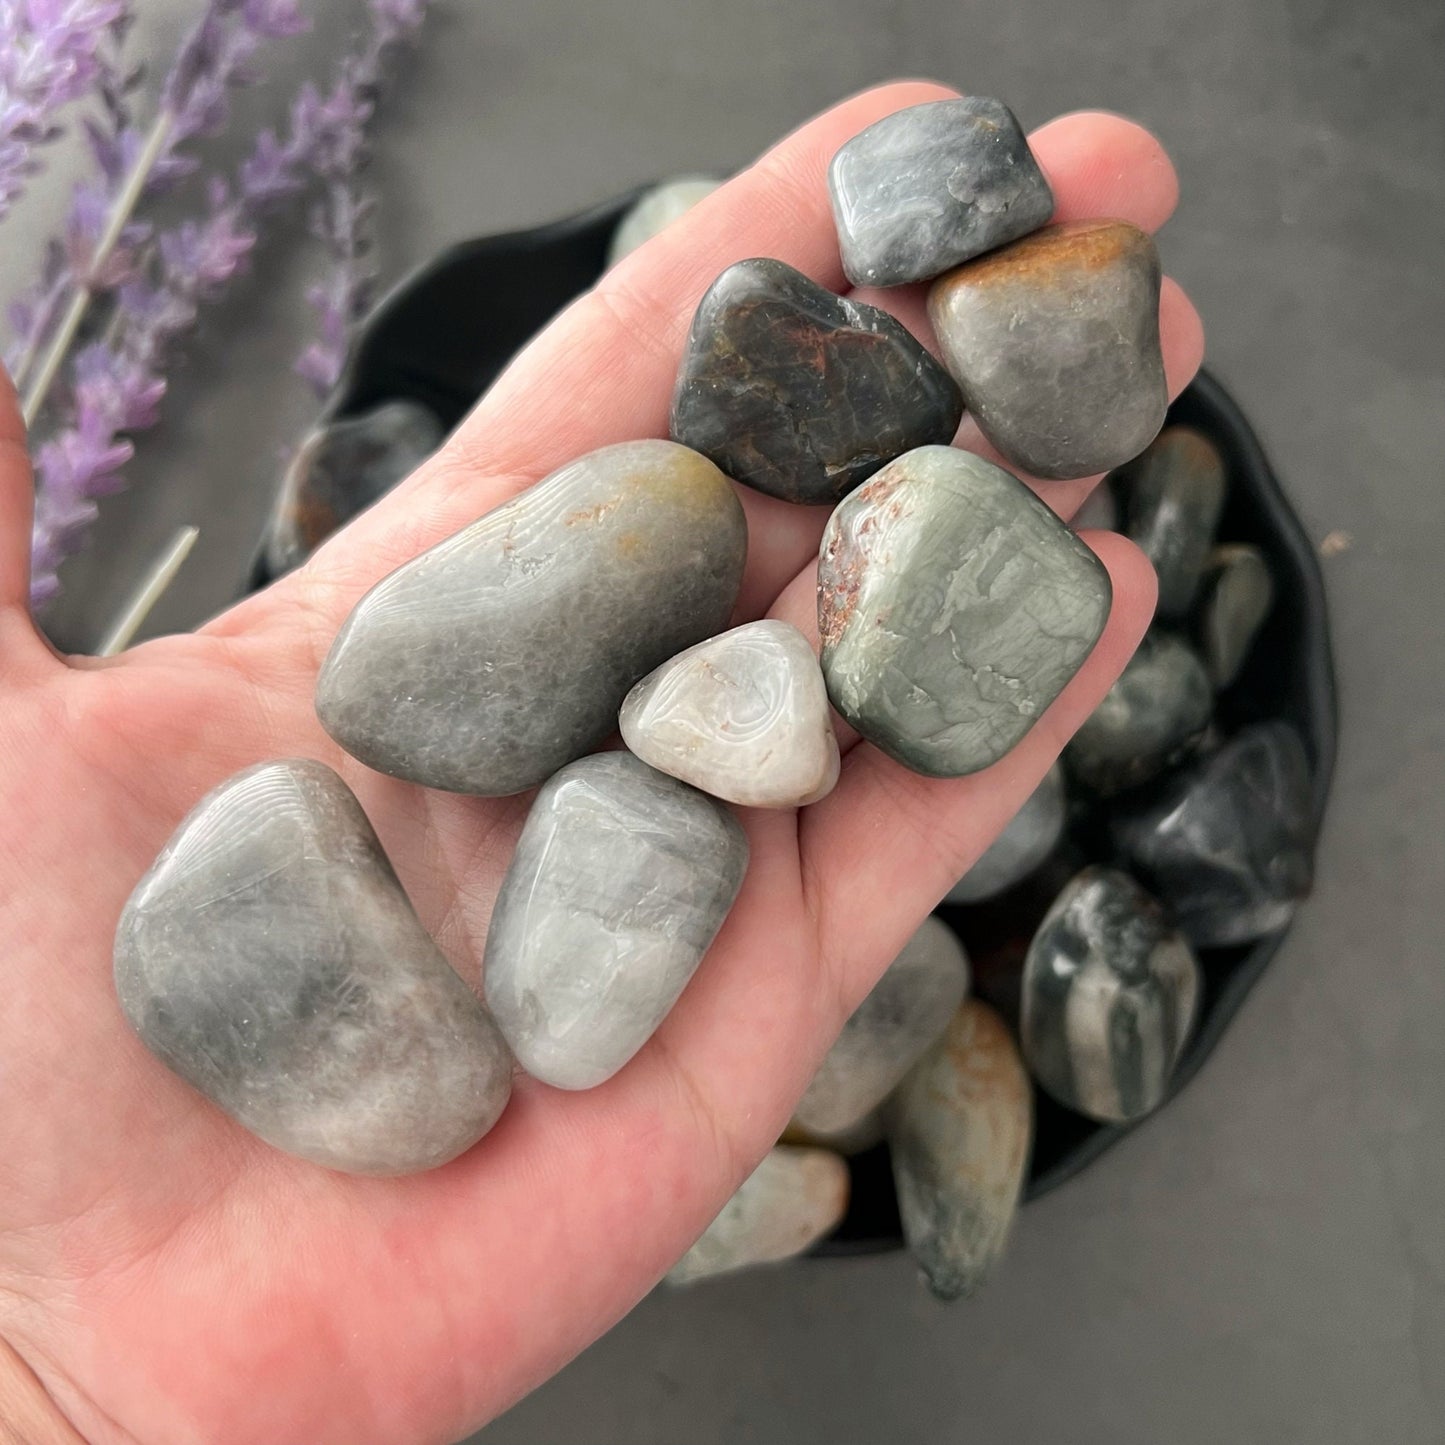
272 960
800 393
1032 834
504 652
620 881
1235 598
953 606
1054 342
340 469
655 210
1228 843
743 716
1172 496
1099 511
959 1132
928 187
907 1009
785 1206
1109 993
1156 711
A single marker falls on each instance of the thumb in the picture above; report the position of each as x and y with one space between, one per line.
17 510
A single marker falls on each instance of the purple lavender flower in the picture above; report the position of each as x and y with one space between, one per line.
118 383
52 52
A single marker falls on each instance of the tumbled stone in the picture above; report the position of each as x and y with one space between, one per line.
928 187
959 1132
800 393
1228 844
655 210
1172 497
1054 342
1152 716
785 1206
907 1009
1099 511
1032 834
1109 994
271 958
743 716
1235 598
866 1133
341 469
504 652
953 606
619 882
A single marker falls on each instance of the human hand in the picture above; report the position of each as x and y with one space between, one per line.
166 1276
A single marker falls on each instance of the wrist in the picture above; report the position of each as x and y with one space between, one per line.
28 1416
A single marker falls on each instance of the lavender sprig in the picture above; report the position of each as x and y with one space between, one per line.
342 219
214 58
52 52
119 381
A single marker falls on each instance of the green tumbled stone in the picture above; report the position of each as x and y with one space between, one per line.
953 606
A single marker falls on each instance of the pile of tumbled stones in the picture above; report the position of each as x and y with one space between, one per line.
271 958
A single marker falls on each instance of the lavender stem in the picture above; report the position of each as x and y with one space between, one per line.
70 324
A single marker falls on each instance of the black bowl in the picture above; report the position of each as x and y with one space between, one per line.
445 333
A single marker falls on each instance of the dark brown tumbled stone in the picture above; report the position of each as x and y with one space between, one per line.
800 393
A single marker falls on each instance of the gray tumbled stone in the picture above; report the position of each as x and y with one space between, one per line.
1236 595
1228 843
1156 711
1172 496
271 958
341 469
1098 511
907 1009
489 661
785 1206
1032 834
928 187
1109 993
953 607
620 880
655 210
1054 342
800 393
743 716
959 1131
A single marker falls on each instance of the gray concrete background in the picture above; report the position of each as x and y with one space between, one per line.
1266 1261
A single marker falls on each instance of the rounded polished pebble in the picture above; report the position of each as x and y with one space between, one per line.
1228 844
1032 834
933 185
743 716
504 652
857 1138
1109 994
787 1204
1235 598
655 210
959 1132
341 469
1152 716
1054 342
905 1012
800 393
620 881
953 607
271 958
1099 511
1172 496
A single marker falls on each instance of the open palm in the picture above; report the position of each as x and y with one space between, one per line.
167 1277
